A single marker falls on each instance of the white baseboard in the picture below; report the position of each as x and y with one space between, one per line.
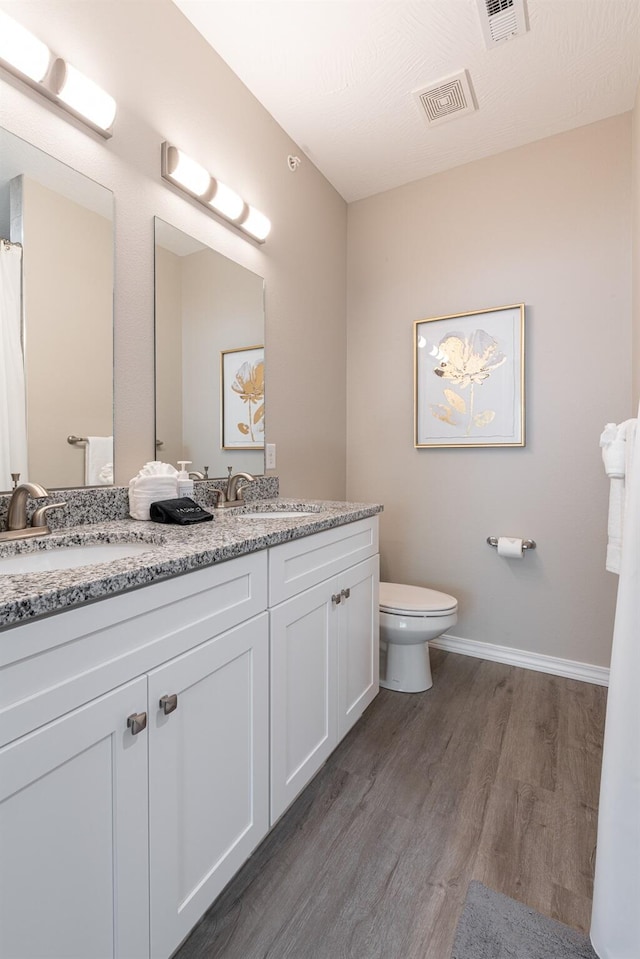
584 672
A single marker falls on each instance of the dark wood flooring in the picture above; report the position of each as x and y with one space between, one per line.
493 774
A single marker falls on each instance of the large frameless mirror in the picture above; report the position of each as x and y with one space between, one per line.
209 357
56 321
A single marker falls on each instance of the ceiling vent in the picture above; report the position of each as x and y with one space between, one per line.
502 20
447 99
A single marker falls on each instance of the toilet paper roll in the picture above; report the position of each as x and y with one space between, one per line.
510 547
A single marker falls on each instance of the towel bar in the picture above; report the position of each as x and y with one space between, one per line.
75 440
526 543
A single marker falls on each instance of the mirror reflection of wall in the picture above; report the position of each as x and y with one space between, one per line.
206 306
63 222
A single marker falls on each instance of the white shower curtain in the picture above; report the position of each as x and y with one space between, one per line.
13 420
615 920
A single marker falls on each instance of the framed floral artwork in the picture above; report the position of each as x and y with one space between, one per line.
469 379
242 386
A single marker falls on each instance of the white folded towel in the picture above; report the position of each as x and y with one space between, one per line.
105 476
154 482
617 449
97 454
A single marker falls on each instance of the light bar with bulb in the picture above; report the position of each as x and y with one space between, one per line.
30 60
82 96
226 202
23 53
186 174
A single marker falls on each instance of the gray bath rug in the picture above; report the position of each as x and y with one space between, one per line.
493 926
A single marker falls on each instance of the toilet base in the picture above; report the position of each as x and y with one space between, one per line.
405 668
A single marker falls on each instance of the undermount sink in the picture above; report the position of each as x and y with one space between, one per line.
70 557
276 514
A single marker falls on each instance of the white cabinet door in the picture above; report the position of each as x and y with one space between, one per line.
358 635
303 692
74 827
208 775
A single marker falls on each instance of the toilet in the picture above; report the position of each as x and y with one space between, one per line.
409 617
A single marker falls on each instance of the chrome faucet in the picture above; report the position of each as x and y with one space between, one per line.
232 495
17 513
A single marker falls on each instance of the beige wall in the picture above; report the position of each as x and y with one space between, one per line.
205 303
635 165
222 309
168 271
68 292
169 84
547 224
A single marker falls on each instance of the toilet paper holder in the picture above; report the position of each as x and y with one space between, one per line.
526 543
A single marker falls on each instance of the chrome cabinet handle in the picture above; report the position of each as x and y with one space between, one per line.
136 723
345 593
336 598
169 703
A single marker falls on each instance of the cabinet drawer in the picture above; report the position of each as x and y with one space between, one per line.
302 563
53 665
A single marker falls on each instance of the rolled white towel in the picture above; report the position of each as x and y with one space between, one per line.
105 476
157 468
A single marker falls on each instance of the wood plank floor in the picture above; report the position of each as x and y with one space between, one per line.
493 774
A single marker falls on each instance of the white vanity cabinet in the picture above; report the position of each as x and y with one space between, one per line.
148 741
323 595
73 835
94 776
208 775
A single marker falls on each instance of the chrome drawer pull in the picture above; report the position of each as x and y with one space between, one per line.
169 703
336 598
136 723
345 593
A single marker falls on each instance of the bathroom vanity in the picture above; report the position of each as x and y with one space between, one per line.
151 738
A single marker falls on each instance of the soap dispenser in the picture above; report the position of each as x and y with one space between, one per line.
185 483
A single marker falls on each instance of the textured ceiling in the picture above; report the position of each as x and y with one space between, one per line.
338 76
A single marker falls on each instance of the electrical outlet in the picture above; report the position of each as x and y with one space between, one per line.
270 458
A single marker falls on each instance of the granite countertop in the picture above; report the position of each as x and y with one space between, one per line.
172 550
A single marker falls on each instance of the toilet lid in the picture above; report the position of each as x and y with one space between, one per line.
415 599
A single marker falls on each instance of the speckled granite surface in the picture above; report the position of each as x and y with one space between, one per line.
95 504
172 550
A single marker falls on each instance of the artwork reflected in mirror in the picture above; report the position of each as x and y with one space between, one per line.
242 391
209 370
56 314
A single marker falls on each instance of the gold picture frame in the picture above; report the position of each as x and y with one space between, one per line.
242 400
469 379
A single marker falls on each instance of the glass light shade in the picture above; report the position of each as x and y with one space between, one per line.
86 98
187 172
226 201
24 52
257 224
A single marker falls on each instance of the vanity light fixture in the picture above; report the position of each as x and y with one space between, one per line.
188 175
31 60
21 51
185 172
226 201
83 97
257 224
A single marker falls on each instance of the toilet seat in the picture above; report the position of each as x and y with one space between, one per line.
415 600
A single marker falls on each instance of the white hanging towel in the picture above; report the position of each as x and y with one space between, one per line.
617 444
615 919
98 461
13 417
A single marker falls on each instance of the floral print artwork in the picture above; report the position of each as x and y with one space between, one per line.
466 362
248 383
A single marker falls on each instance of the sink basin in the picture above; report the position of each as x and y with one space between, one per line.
276 514
70 557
